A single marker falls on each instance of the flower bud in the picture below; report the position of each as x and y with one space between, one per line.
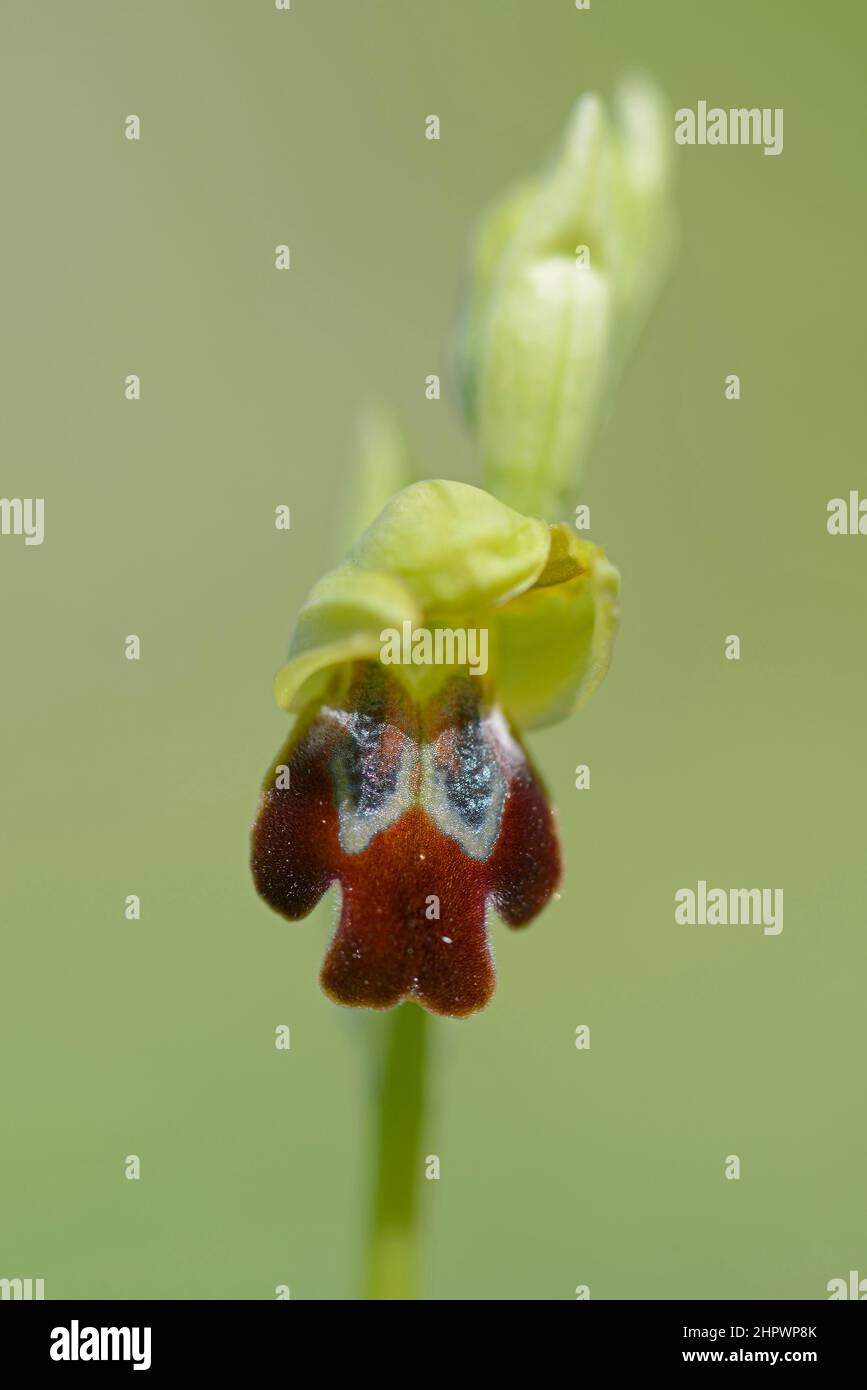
564 271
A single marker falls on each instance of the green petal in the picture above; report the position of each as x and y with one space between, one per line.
547 598
436 548
340 622
552 645
454 546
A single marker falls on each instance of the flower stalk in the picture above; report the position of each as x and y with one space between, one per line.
393 1259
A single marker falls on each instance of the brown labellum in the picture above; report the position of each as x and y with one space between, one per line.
425 814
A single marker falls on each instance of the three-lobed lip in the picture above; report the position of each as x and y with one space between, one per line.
425 814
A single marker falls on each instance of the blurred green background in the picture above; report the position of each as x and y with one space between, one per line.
559 1167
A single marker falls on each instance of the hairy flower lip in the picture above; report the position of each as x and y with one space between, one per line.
426 815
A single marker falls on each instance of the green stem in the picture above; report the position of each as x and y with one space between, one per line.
393 1254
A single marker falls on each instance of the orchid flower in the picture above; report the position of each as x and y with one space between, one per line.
407 782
